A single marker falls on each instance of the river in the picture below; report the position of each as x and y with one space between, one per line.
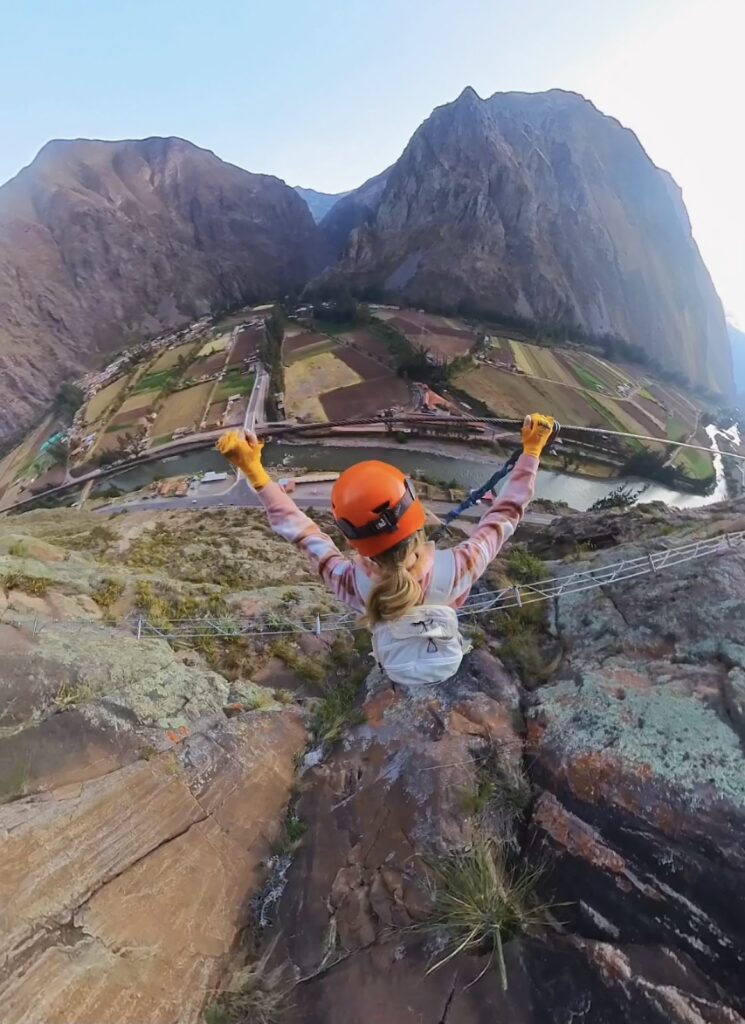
577 491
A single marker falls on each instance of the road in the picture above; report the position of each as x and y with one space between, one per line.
241 495
257 402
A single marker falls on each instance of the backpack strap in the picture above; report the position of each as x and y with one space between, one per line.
443 576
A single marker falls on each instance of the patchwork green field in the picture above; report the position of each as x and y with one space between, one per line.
582 389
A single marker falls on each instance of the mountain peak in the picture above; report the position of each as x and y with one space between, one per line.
541 207
101 241
469 95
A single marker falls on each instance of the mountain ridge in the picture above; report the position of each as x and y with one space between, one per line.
737 343
539 206
103 240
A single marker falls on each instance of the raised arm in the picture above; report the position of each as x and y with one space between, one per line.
338 572
499 522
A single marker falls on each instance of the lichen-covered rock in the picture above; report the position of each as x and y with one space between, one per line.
637 750
141 680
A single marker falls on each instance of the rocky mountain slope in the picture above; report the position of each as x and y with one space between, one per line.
356 208
102 242
737 341
156 801
540 207
319 203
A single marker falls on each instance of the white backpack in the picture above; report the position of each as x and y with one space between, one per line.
425 645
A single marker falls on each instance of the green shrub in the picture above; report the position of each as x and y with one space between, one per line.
18 549
337 710
36 585
107 592
69 695
523 567
307 668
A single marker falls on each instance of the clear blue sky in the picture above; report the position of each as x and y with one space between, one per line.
325 93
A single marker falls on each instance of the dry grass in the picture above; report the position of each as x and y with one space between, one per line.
260 994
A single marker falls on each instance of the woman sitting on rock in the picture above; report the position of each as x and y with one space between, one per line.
406 588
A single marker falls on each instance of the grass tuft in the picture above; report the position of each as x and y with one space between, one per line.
69 696
261 994
497 784
523 567
28 584
107 592
337 711
307 668
482 902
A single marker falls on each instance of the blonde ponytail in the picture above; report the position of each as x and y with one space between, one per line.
397 591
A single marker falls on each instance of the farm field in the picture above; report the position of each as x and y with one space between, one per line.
442 335
101 401
151 381
368 369
129 417
509 395
307 379
218 344
182 409
247 344
306 343
206 364
235 382
369 343
696 464
365 399
168 359
138 401
16 461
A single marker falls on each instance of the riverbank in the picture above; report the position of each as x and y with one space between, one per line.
459 465
591 470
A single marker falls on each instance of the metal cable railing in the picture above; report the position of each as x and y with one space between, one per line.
515 596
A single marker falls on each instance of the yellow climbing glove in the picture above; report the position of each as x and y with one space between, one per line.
536 433
243 450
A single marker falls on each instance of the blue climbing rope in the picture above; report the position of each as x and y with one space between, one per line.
475 496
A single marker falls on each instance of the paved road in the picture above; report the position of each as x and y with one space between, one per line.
309 496
256 403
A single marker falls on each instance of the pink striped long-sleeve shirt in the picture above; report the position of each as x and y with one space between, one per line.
351 580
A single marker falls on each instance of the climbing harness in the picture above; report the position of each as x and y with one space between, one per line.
476 495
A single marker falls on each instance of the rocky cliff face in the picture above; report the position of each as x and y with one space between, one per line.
620 778
103 242
539 206
596 742
356 208
737 343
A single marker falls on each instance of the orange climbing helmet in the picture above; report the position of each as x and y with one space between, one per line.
375 507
